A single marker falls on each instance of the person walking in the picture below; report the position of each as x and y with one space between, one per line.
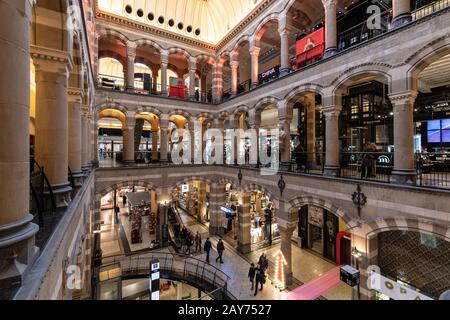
189 243
251 275
260 278
220 250
198 242
263 262
124 199
207 248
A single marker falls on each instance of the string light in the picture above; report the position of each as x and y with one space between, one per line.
280 263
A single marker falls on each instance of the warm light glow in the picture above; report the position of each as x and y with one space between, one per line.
280 263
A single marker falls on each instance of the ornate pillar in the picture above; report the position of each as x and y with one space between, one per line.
285 115
164 139
284 36
254 120
401 12
164 65
217 198
17 249
131 56
192 71
52 126
234 64
128 140
75 136
217 82
330 27
244 236
286 232
155 137
234 125
93 127
404 166
311 132
332 165
85 141
254 53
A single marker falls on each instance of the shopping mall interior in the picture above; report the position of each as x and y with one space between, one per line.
101 98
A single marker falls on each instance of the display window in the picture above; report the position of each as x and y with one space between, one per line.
264 226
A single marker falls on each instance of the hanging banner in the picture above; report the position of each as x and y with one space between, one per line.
310 47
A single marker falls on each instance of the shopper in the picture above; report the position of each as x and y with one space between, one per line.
198 242
189 243
220 250
260 278
263 262
207 248
124 199
251 275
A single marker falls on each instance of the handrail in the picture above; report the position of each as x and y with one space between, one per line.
198 272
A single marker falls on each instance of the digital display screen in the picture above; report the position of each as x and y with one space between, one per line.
438 131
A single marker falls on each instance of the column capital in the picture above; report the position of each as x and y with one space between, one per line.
74 95
254 51
332 111
234 64
287 226
51 60
404 97
329 3
285 31
131 49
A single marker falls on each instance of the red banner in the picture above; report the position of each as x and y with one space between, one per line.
177 88
311 47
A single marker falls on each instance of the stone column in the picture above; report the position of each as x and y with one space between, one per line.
164 64
217 82
244 236
155 138
204 89
284 55
255 124
285 114
17 249
192 71
234 124
75 136
128 140
217 198
234 77
401 12
311 132
52 125
286 232
164 137
254 53
332 165
131 56
85 144
330 27
93 150
404 166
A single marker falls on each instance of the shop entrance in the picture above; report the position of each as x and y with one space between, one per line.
323 233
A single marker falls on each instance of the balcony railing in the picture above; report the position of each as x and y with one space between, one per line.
429 9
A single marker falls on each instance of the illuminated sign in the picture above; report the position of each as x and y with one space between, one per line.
154 279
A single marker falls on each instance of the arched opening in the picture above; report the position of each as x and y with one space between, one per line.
148 61
205 69
111 123
179 63
270 48
226 77
366 127
147 128
307 132
193 198
130 216
432 121
414 258
242 51
111 73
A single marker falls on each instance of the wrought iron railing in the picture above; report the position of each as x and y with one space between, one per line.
195 272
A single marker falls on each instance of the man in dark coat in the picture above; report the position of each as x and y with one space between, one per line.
220 250
207 249
251 275
260 278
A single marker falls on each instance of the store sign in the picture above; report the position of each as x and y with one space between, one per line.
391 288
315 216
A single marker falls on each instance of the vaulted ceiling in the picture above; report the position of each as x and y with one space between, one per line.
206 20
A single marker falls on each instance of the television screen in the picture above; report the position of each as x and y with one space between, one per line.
434 136
434 125
446 136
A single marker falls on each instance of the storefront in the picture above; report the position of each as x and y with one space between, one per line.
324 233
264 226
193 198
